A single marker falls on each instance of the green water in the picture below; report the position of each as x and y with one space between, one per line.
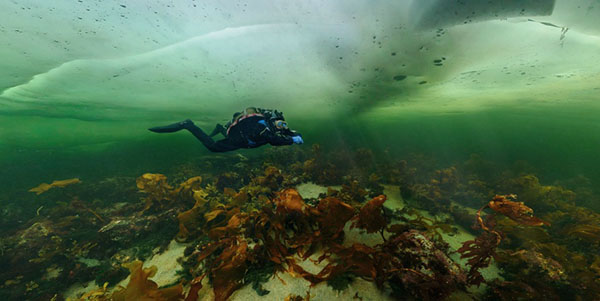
558 142
514 86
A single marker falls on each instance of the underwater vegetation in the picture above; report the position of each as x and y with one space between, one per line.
45 186
481 250
247 224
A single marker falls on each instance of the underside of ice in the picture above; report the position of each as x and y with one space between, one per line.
97 60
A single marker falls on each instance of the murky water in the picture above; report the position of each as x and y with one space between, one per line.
439 107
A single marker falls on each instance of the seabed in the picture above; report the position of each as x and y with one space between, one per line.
316 229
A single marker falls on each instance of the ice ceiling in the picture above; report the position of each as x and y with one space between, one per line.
110 60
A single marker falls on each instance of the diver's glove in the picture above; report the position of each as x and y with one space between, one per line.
297 139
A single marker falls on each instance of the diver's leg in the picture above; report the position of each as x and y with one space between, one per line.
172 127
219 129
218 147
223 146
223 131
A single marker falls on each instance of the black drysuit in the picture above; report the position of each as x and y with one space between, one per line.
250 132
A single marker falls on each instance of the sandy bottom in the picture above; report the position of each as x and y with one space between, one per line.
310 190
167 271
284 284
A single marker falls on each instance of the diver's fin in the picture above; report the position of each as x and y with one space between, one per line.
172 127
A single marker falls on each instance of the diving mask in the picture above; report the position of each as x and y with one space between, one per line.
281 124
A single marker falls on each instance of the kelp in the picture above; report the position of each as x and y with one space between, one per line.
446 181
357 259
517 236
544 198
292 226
441 186
587 232
257 192
569 243
352 192
155 188
289 201
82 241
251 213
332 216
257 274
225 256
140 287
401 174
271 179
228 179
409 259
472 193
77 203
576 227
374 185
191 220
517 211
432 226
109 273
409 262
319 169
341 281
58 183
227 269
533 276
158 193
482 249
95 295
530 263
425 271
191 189
371 216
580 277
236 198
188 220
479 252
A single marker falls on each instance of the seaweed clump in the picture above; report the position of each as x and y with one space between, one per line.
59 183
482 249
248 224
139 287
73 240
292 230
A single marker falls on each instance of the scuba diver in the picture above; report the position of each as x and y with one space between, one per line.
251 128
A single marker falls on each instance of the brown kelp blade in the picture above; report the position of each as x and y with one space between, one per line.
517 211
60 183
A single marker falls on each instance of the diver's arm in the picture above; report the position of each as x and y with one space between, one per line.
277 140
287 138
